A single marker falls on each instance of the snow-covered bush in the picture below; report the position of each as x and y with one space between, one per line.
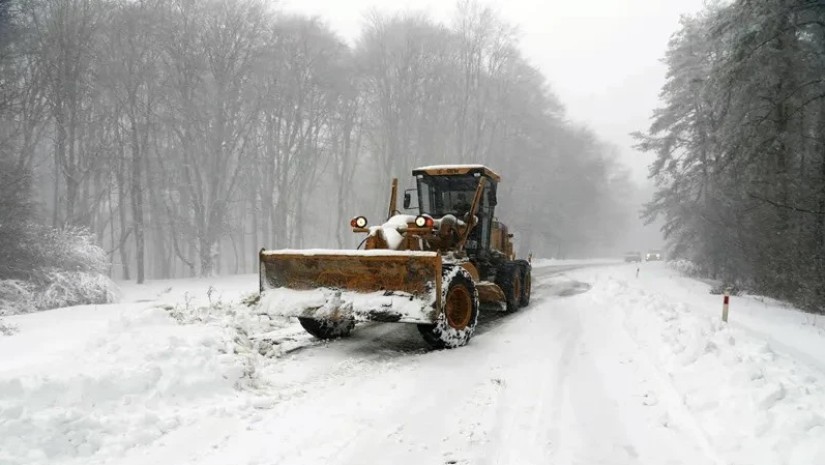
65 268
56 289
691 269
16 297
43 267
7 329
71 249
721 288
67 288
685 267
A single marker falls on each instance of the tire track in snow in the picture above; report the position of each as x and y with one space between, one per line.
676 412
530 406
606 413
590 425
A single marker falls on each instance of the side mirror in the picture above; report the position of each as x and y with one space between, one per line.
407 200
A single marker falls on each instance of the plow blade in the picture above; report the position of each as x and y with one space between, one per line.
372 285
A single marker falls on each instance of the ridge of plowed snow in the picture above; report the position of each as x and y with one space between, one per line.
108 386
754 403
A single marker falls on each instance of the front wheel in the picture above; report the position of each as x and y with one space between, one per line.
327 329
459 311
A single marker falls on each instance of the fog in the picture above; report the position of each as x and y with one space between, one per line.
603 58
185 136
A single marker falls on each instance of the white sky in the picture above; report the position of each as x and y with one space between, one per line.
600 56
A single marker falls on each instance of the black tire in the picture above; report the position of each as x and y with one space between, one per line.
508 278
327 329
526 285
458 315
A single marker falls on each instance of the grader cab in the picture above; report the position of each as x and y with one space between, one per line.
434 269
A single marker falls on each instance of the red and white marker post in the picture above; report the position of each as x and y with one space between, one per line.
725 304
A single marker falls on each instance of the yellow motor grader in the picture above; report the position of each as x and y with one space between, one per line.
434 269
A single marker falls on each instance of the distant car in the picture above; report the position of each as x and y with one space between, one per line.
631 257
653 255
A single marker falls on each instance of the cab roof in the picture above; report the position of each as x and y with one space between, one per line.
453 170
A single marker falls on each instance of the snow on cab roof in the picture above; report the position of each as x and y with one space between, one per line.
447 167
446 170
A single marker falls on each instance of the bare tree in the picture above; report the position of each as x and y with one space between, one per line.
187 134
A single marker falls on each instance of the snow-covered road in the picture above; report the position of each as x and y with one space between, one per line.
602 368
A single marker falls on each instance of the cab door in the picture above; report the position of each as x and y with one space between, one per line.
481 236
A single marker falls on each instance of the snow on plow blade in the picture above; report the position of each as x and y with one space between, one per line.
371 285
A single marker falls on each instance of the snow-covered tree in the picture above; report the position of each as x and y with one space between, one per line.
740 164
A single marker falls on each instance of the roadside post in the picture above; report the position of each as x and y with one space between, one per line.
725 304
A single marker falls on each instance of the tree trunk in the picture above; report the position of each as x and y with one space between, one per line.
121 205
206 256
137 204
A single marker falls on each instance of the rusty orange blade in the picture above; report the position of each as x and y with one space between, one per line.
415 273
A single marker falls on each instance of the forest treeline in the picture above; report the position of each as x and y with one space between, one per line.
740 145
187 134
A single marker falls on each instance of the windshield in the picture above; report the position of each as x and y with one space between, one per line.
442 195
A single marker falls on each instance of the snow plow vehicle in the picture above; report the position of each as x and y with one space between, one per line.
435 269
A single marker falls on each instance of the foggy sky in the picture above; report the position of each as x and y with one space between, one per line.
602 57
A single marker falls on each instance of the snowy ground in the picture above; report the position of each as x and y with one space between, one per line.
603 368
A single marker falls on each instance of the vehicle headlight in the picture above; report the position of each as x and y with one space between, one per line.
359 222
422 221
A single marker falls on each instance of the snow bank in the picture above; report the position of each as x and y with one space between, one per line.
96 381
127 383
90 384
228 302
755 403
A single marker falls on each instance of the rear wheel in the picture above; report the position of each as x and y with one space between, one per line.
526 284
509 279
459 311
327 329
